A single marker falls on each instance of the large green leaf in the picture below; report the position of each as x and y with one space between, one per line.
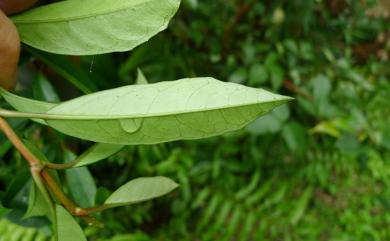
166 111
140 190
67 227
94 26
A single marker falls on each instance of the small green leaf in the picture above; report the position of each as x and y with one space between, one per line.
141 79
67 227
37 205
94 26
140 190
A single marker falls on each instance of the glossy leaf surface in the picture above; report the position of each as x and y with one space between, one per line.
94 26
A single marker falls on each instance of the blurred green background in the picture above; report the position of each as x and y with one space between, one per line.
315 169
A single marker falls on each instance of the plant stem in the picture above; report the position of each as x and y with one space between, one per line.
97 208
40 175
35 165
7 129
68 204
62 166
83 213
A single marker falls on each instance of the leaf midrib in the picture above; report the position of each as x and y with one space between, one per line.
118 117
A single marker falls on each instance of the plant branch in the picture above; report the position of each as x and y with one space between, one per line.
7 129
39 173
75 210
58 193
62 166
97 208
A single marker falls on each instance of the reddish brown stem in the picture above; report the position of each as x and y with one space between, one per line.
7 129
36 167
83 213
64 200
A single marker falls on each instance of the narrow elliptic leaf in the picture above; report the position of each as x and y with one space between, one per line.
94 26
141 79
166 111
140 190
37 205
67 227
97 152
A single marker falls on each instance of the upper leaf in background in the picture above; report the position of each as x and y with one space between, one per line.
91 27
166 111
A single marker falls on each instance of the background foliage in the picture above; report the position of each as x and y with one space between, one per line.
317 169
